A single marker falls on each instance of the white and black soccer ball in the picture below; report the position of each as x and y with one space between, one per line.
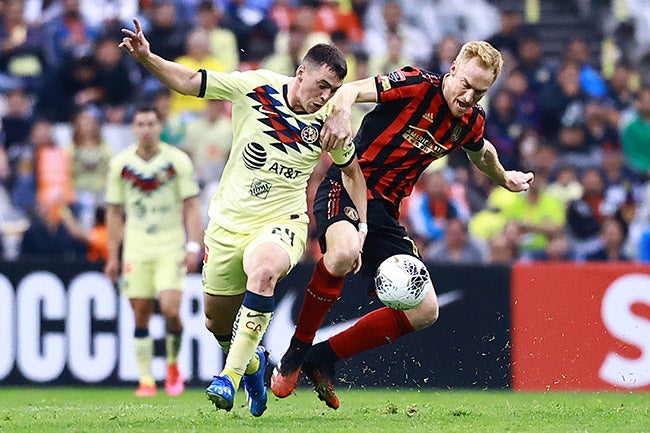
402 282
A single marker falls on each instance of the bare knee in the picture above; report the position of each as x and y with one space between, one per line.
425 314
262 279
339 260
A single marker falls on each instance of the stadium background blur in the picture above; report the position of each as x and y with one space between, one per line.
573 105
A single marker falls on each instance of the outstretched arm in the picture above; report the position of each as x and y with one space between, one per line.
175 76
337 129
487 160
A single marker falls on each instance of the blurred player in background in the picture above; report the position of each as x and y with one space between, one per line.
420 117
153 213
258 215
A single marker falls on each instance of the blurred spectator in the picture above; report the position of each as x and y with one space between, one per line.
286 59
282 13
332 16
291 46
117 78
527 105
417 46
253 27
75 84
430 206
531 61
90 156
393 59
578 51
16 124
637 245
562 101
223 43
502 127
506 39
565 185
54 184
621 183
94 238
539 156
457 246
49 238
197 56
584 216
501 251
361 71
444 54
635 134
68 34
574 148
539 215
343 43
208 141
173 131
612 235
166 33
621 92
22 54
558 249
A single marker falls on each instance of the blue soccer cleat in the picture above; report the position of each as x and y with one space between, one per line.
254 386
221 392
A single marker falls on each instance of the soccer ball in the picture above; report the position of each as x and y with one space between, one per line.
402 282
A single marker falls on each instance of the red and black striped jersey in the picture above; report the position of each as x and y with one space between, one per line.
411 127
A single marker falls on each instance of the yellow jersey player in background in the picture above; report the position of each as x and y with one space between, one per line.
258 216
153 213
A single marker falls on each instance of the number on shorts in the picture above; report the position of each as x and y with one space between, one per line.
282 232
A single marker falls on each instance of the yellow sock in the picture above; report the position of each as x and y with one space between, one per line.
172 347
250 328
143 355
252 366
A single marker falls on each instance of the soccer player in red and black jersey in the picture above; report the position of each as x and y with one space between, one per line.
419 118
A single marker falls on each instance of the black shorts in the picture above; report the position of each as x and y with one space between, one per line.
386 237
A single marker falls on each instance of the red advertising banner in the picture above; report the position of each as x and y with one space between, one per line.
580 327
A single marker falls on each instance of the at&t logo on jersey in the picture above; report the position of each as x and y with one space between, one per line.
254 156
283 170
260 188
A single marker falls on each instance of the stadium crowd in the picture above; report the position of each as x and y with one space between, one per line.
67 95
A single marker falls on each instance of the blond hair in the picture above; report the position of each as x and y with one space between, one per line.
488 57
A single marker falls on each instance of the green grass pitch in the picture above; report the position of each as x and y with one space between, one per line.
93 410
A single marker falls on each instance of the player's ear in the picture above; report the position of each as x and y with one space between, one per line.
300 71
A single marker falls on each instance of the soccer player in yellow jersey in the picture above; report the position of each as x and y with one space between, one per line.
153 213
258 216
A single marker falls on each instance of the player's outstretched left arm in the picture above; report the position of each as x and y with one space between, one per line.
487 160
355 184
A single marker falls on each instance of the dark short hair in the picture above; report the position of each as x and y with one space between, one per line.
148 109
330 55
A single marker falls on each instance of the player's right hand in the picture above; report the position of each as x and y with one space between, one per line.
135 42
337 130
